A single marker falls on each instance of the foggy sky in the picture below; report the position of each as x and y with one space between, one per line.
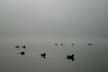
53 18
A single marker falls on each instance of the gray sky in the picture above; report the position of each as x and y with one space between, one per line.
53 18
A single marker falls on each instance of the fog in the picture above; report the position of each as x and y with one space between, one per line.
41 23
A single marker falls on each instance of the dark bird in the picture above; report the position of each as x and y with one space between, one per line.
55 44
73 44
71 57
24 46
17 46
22 53
90 44
43 55
61 44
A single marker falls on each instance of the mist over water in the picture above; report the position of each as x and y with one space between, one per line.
39 24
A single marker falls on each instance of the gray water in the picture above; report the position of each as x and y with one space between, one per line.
87 58
39 24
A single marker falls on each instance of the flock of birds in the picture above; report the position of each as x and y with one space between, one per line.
43 55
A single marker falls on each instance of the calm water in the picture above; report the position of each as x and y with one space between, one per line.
87 58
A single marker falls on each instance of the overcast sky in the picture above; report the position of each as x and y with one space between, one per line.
53 18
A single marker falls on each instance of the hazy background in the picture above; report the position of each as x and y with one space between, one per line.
40 23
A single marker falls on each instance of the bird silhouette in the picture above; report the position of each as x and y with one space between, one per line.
17 46
71 57
90 44
24 46
43 55
61 44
